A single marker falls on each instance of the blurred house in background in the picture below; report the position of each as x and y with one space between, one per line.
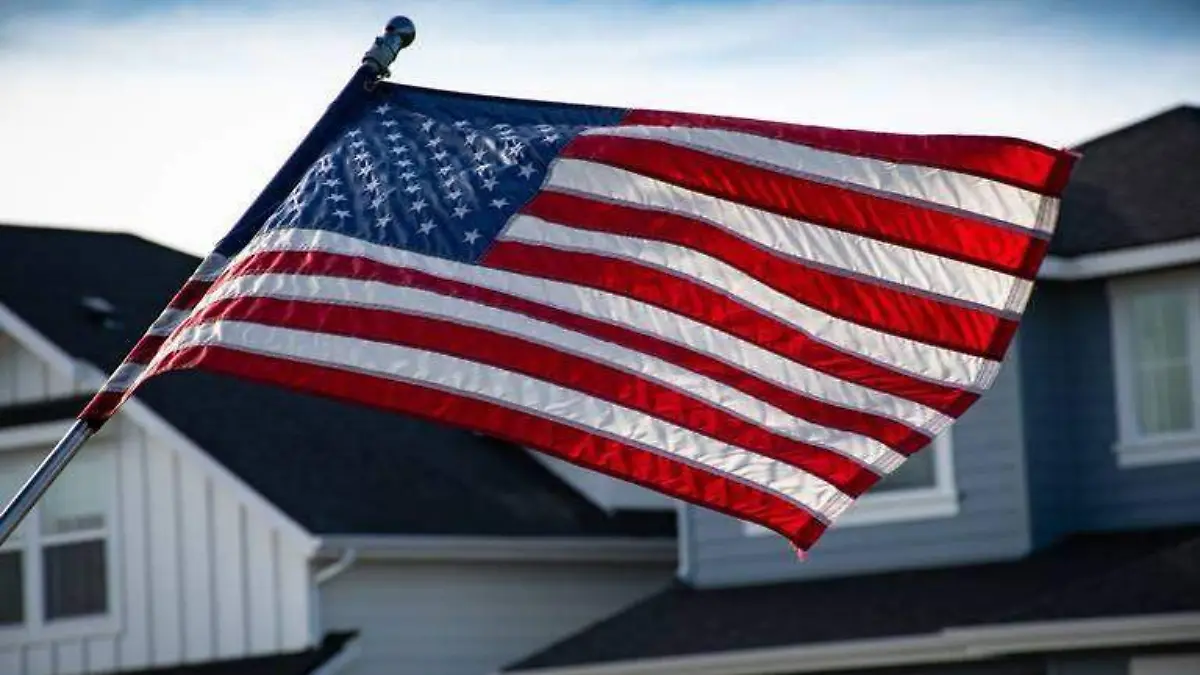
1056 527
1054 530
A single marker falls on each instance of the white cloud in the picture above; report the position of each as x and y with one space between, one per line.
168 124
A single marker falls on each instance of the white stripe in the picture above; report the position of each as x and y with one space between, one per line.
124 377
699 268
167 321
960 191
530 395
642 318
870 258
210 268
374 294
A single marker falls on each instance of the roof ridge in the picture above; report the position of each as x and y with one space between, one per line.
1146 120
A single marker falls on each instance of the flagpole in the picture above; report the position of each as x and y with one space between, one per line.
398 34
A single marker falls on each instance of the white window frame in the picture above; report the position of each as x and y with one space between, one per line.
38 438
1133 449
939 500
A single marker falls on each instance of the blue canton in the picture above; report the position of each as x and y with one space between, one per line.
432 172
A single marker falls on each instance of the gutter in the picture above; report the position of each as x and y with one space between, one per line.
619 550
1122 261
946 646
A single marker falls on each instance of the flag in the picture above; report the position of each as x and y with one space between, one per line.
760 318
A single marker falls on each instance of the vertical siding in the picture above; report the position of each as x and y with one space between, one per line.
196 574
469 619
992 522
1072 427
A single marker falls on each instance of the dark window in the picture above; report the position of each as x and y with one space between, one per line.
12 594
917 472
76 579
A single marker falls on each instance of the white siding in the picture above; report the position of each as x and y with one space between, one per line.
446 618
198 574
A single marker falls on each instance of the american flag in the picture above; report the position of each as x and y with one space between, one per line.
759 318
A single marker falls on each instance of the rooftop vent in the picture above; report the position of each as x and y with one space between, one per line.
100 311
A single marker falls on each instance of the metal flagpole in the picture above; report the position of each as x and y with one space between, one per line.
398 34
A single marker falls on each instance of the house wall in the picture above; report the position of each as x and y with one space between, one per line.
196 573
991 524
459 618
1070 413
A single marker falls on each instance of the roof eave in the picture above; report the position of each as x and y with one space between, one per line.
420 548
947 646
1122 261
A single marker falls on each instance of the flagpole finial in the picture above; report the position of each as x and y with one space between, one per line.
398 34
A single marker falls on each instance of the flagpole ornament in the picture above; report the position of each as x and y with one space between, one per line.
398 34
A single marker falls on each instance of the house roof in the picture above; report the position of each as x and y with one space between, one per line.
289 663
1135 186
335 468
1083 577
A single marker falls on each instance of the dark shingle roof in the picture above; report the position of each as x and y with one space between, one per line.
290 663
1085 576
335 468
1136 186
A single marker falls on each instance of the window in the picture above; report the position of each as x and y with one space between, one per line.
1156 349
55 568
921 489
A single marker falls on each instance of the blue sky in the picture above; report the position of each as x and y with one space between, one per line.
167 118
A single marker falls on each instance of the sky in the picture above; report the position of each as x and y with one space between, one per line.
166 118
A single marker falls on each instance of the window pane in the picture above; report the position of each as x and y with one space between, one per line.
76 579
1161 362
79 498
917 472
12 584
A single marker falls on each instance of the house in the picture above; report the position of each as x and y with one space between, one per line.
220 526
1055 529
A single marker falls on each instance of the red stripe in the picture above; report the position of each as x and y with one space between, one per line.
190 294
145 349
716 310
886 309
890 432
565 442
102 406
1007 160
548 364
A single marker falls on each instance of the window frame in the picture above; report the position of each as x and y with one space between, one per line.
915 504
1133 448
35 627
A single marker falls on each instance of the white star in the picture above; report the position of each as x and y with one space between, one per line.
362 156
454 194
449 182
427 126
358 144
354 133
478 155
489 184
383 221
471 236
399 150
426 227
499 203
388 123
383 109
412 188
394 137
461 124
526 170
418 206
408 175
545 128
340 214
481 169
501 125
404 163
461 211
442 171
378 201
440 155
550 138
470 138
365 169
434 142
332 182
372 185
336 197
